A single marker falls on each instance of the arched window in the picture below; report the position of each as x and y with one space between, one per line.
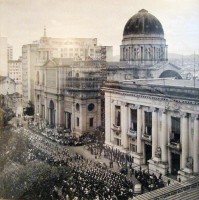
69 74
51 105
77 75
77 106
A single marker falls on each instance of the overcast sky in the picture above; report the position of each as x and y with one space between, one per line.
22 21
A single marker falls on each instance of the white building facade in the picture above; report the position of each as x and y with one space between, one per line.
10 52
15 73
29 60
7 85
67 94
157 124
149 114
3 56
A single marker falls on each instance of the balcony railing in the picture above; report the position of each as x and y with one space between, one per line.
80 88
175 146
86 79
146 137
116 128
132 133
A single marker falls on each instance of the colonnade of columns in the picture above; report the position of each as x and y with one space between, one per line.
161 140
143 52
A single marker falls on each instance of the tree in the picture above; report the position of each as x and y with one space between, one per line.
29 110
32 181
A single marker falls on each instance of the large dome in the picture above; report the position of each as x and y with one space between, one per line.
143 23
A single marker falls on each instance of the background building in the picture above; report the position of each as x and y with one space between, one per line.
15 73
29 60
3 56
7 85
36 55
149 114
10 52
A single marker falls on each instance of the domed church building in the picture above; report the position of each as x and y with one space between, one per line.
143 53
151 113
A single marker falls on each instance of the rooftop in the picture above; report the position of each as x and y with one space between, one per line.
171 82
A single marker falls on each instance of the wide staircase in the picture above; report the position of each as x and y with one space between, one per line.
190 189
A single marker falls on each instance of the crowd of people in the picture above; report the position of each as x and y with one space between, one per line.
149 181
88 179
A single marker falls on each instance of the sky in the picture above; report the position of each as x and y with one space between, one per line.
23 21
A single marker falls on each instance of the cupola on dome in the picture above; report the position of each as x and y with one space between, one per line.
143 23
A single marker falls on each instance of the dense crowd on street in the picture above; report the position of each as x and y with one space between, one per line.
89 179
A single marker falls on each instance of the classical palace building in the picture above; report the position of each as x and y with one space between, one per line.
150 112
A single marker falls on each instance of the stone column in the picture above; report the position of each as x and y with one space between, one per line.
83 118
57 113
73 120
130 53
185 140
45 109
195 145
164 138
166 52
121 53
108 119
124 53
112 118
139 130
49 116
124 125
60 113
154 132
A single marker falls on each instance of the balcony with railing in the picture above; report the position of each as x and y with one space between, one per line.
116 128
175 145
132 133
146 137
83 86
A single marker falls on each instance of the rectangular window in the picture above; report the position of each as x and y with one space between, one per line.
117 141
133 120
175 129
78 121
117 115
132 147
91 122
148 123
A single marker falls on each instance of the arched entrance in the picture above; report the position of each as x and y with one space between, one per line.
170 73
51 113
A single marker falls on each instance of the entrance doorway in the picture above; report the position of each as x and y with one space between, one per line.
175 163
148 152
52 114
68 120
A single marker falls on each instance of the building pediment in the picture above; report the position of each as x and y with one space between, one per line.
50 63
